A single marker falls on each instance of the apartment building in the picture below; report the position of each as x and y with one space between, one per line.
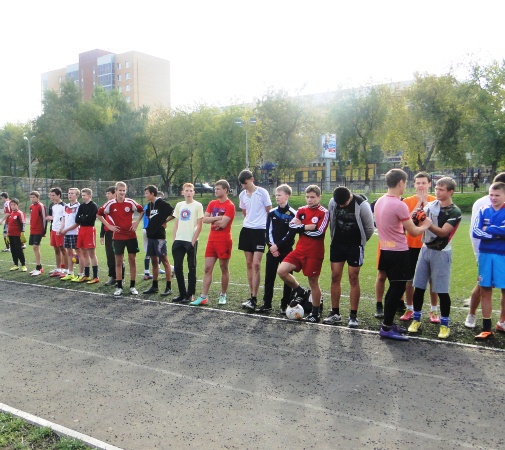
142 79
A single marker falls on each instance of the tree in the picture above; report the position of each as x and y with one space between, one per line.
485 129
358 119
287 132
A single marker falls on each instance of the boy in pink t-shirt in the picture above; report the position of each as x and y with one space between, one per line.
392 218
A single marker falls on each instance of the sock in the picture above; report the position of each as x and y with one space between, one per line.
417 315
132 283
254 299
410 307
378 305
435 309
95 271
155 284
86 271
315 310
486 324
385 327
38 267
169 285
336 311
299 291
146 265
444 321
354 313
119 284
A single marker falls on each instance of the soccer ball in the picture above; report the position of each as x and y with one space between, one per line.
418 217
295 312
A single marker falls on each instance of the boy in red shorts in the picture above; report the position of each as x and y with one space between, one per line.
56 211
311 222
219 214
86 238
37 229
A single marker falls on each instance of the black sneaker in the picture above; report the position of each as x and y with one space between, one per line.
151 290
379 312
187 299
249 304
167 292
178 299
264 309
312 319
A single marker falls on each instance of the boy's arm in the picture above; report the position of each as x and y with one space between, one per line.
198 229
416 231
478 231
174 230
367 219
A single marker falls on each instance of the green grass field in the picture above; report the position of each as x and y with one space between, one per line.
464 274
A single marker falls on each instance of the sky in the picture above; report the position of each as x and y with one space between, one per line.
223 52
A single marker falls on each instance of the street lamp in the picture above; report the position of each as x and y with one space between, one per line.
29 140
241 123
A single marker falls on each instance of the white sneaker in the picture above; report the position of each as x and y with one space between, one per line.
53 271
134 291
118 292
470 321
222 299
35 273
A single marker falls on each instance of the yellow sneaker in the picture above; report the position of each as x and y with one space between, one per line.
68 277
415 326
24 269
14 268
77 278
444 332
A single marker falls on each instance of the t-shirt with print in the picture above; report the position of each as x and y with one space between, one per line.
188 215
390 212
121 215
440 216
256 214
346 225
69 217
216 208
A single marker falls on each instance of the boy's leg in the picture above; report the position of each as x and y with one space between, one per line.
207 275
191 252
178 253
225 274
272 263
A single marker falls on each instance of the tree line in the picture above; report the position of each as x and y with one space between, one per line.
435 121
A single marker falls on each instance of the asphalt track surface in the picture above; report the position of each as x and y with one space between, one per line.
144 375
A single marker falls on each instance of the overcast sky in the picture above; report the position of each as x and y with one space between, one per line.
225 51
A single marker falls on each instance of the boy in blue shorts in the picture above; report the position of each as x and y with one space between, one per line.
489 228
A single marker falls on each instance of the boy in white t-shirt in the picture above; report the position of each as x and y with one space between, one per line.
187 227
255 203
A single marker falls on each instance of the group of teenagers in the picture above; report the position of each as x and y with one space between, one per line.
415 248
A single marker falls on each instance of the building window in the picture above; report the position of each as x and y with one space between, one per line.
118 66
119 89
128 100
127 89
127 64
127 75
119 77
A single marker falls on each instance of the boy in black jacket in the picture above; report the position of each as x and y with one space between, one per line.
279 245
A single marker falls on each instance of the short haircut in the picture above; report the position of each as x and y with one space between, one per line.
394 176
4 195
313 188
161 194
15 200
499 177
36 193
224 184
87 191
284 188
341 195
498 185
423 175
448 182
244 176
188 185
111 189
152 189
77 191
120 184
56 190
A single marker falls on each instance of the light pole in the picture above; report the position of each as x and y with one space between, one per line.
29 140
241 123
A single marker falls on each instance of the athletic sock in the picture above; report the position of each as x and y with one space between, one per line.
444 321
146 265
486 324
95 271
315 310
169 285
155 284
417 315
410 307
119 284
354 313
336 311
86 271
132 283
434 309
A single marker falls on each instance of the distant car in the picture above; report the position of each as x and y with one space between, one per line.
202 188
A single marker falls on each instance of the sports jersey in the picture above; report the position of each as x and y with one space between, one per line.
411 202
56 211
37 218
254 205
121 215
480 203
390 212
86 214
157 214
188 215
216 208
69 217
7 207
16 223
278 220
492 238
439 216
311 242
